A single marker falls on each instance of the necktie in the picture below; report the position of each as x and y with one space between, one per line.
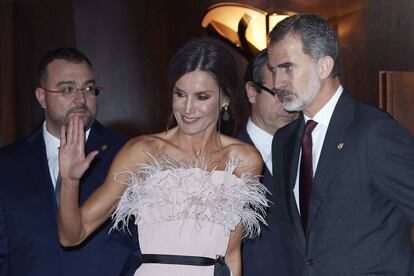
306 172
57 189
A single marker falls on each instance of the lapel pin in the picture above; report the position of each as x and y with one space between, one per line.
340 146
101 149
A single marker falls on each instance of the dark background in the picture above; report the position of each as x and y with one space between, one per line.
130 43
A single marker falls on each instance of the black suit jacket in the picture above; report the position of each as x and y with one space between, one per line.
29 242
362 200
264 255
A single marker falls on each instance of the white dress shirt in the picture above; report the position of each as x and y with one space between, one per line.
323 117
262 141
52 144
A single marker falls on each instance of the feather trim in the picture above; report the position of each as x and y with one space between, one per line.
171 189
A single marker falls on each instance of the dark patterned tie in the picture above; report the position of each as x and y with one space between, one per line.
306 172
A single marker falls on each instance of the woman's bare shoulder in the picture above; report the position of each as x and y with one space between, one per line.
241 148
246 153
139 149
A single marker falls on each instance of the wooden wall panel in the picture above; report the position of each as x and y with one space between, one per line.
375 35
7 100
130 43
396 96
34 28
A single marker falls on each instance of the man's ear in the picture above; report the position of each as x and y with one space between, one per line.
41 97
251 92
325 66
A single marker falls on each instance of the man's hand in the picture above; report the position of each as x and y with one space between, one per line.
72 160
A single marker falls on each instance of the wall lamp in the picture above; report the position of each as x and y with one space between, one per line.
244 26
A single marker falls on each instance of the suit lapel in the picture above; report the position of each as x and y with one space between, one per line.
95 139
291 159
89 181
36 166
267 178
330 154
244 136
293 146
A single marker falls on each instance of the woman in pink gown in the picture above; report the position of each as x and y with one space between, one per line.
193 191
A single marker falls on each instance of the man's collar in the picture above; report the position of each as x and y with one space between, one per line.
52 142
324 115
258 132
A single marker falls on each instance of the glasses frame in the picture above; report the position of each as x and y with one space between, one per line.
267 89
98 90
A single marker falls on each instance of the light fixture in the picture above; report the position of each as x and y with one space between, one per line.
244 26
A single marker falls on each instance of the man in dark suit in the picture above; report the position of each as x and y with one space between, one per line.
345 170
29 182
264 255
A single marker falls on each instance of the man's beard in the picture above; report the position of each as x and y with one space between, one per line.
86 115
296 103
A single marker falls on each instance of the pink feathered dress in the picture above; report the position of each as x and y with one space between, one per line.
183 209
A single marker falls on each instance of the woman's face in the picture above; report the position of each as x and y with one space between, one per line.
197 102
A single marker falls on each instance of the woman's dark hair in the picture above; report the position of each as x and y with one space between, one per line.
209 56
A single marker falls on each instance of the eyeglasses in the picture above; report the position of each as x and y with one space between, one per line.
267 89
68 91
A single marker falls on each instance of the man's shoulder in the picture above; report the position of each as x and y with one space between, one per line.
359 119
242 135
364 118
369 113
20 146
241 132
362 112
288 129
108 134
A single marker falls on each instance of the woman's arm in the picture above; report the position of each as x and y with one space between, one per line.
253 165
233 253
76 223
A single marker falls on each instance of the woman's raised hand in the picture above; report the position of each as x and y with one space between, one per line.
72 160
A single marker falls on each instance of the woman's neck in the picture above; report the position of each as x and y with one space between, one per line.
202 144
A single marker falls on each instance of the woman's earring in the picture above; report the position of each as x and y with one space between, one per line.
226 114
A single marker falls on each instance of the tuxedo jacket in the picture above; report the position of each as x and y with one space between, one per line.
264 255
29 243
362 200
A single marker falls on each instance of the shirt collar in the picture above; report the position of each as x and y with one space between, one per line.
323 117
261 138
52 143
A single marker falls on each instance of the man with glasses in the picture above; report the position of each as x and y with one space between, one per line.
264 255
30 185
